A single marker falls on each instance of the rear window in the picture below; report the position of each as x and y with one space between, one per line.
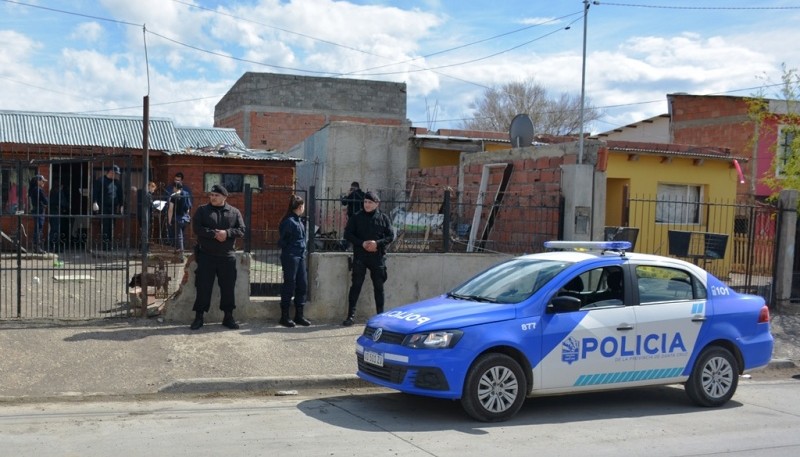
660 284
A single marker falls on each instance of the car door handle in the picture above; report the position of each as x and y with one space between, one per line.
698 319
625 327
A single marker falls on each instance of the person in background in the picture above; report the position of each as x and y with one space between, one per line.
292 241
169 191
145 200
178 215
354 202
108 199
369 231
59 207
39 203
217 225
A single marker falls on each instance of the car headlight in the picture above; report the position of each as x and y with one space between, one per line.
441 339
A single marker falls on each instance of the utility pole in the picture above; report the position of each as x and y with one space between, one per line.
583 80
143 209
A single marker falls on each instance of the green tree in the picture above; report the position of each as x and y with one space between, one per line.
785 169
553 115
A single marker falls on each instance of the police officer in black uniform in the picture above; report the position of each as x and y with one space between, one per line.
216 225
369 231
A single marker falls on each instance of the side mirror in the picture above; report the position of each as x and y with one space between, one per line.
564 304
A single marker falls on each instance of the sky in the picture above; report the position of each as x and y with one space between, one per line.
104 56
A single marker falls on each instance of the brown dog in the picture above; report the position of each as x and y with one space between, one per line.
157 279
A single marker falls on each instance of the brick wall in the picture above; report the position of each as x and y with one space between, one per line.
533 194
711 121
715 121
276 112
269 205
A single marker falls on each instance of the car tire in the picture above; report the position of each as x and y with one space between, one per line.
714 377
495 388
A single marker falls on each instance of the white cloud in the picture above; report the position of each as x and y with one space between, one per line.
88 31
626 66
539 20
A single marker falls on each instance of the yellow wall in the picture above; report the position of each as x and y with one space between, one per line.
614 196
437 157
716 177
644 174
429 157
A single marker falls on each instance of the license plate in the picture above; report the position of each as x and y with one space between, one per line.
373 358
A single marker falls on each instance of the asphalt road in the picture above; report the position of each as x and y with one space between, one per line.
762 419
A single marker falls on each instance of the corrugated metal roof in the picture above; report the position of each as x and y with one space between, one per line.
64 129
229 151
672 149
196 137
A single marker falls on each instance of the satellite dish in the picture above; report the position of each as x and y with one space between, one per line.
521 131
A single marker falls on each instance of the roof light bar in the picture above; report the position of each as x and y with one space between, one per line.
589 245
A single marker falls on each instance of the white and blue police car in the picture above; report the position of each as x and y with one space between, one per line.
581 317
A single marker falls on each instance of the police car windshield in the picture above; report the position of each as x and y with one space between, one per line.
509 282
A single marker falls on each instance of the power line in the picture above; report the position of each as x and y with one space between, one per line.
432 69
72 13
479 58
678 7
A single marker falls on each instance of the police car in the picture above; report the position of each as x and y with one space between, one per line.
581 317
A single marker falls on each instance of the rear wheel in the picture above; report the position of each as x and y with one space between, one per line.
714 377
495 388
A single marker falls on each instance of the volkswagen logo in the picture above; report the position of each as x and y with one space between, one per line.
377 335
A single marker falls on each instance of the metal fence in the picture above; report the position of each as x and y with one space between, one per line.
263 211
438 221
734 241
54 262
81 279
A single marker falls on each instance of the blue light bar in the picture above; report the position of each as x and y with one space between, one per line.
589 245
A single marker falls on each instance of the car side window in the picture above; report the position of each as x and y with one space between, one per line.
663 284
597 288
609 291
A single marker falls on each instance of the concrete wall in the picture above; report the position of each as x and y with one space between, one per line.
412 277
179 307
342 152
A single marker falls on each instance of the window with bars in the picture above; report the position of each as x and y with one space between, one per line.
233 182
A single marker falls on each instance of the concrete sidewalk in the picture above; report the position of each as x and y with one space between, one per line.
145 356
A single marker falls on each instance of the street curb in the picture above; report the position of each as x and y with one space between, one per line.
277 383
780 364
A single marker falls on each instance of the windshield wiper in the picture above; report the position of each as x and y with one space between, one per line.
477 298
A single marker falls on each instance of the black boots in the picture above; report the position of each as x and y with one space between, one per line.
198 320
351 315
299 319
229 322
285 321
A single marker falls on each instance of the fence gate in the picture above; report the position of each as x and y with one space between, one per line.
264 208
54 261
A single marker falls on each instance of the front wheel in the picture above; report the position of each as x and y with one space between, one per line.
495 388
714 377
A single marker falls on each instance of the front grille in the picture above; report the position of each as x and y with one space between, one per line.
386 337
388 372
